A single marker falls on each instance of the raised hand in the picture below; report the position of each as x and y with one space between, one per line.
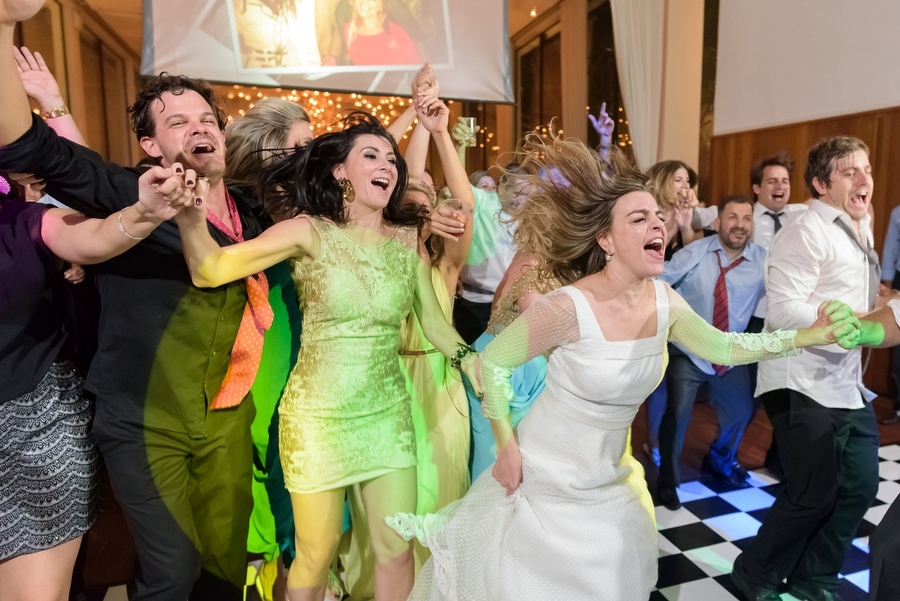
434 115
165 191
37 79
683 216
461 132
13 11
603 124
425 82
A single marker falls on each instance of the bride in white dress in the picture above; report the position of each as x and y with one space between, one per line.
559 516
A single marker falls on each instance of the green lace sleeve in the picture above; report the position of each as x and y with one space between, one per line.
723 348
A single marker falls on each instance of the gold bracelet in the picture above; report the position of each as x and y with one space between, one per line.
122 227
60 111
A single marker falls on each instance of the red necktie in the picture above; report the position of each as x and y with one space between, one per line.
257 318
720 303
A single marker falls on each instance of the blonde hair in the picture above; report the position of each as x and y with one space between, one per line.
417 185
662 175
560 223
259 137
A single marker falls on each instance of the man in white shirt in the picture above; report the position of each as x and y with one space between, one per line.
770 179
490 254
829 437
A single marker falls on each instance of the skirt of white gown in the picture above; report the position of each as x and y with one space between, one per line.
575 529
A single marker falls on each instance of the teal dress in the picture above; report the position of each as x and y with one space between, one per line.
527 380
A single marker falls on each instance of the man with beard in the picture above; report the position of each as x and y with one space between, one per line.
173 430
721 278
829 437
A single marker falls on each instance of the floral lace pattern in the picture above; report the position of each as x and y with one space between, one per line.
345 412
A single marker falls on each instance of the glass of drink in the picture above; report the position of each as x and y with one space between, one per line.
458 206
472 125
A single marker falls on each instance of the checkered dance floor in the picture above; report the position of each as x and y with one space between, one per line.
698 543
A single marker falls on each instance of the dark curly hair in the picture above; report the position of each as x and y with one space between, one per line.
143 121
303 183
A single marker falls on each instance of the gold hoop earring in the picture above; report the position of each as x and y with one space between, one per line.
347 190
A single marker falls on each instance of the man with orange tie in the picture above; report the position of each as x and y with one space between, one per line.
721 278
171 374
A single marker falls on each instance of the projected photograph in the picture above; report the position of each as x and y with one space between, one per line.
294 36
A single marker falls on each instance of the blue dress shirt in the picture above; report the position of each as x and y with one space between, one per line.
693 272
890 258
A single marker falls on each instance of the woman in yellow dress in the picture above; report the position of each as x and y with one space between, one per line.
439 406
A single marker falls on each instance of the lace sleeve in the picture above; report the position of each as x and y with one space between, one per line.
547 324
723 348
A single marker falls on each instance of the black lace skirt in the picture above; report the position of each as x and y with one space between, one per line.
48 465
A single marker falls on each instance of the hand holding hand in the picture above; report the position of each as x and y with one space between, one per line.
37 79
425 82
74 274
164 192
836 323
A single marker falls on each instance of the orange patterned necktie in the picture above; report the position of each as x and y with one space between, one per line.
257 318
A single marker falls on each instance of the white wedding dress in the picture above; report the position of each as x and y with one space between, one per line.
576 528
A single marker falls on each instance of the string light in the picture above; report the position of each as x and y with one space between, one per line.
324 108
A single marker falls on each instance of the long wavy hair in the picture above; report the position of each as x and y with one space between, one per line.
560 223
259 138
662 175
303 183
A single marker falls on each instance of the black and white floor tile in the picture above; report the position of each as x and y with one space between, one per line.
698 543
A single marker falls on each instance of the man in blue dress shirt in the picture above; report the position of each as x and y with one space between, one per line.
721 278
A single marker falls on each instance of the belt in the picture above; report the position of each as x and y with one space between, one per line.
419 352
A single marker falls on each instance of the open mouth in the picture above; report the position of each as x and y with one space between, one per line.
779 196
656 248
381 182
860 199
202 149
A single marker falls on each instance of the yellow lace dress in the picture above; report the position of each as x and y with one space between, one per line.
345 412
440 414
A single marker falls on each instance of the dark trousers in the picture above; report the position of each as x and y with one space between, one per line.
187 503
831 460
656 408
884 576
732 398
470 318
895 357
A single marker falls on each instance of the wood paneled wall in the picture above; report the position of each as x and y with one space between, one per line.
733 154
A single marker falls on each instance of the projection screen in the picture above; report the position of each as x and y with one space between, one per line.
367 46
785 62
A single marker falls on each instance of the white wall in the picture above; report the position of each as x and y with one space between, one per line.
786 61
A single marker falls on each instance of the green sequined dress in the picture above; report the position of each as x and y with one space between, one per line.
345 413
